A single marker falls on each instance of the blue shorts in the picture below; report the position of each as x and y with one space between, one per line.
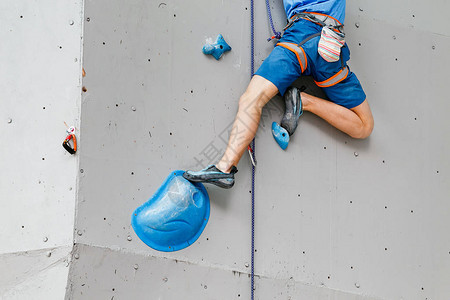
282 68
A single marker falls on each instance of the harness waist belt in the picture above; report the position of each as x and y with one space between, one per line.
321 20
317 18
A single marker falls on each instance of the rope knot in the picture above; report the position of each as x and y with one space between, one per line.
276 36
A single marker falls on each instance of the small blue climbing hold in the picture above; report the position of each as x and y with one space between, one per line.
218 48
175 216
280 135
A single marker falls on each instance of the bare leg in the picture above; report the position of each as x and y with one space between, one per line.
258 93
356 122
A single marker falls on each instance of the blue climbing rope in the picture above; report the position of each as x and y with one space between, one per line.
252 37
252 71
253 222
276 34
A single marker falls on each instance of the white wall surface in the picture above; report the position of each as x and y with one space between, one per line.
348 218
40 55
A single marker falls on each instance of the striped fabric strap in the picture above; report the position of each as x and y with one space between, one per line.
299 52
338 77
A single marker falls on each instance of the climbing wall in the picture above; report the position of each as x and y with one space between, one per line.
40 83
336 218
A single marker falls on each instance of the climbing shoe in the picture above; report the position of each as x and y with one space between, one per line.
212 175
293 111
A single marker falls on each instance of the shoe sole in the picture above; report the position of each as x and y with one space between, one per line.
215 181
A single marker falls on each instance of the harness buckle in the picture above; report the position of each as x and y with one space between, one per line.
292 20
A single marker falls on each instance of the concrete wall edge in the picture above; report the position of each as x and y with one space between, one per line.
204 265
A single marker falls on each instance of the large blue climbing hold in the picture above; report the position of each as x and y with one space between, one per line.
175 216
280 135
218 48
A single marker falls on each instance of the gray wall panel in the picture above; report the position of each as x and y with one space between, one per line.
338 214
96 274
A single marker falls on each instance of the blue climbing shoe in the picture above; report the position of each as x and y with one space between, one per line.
293 102
282 132
212 175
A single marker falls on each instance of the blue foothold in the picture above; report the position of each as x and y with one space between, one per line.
280 135
175 216
218 48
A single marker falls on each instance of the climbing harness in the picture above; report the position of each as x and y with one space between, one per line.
324 21
303 61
